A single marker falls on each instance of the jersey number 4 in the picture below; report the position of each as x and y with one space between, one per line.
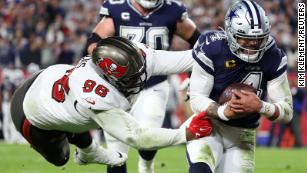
254 79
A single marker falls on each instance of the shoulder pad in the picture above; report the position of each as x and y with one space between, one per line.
177 8
210 43
208 46
109 6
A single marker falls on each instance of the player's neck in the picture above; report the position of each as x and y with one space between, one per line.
138 7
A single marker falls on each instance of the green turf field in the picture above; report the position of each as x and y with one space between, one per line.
22 159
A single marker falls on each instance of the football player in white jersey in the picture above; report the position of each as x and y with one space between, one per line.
59 105
149 22
243 53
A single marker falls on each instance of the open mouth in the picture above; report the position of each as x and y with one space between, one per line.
249 51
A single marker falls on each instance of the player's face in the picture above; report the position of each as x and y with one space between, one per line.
149 4
250 46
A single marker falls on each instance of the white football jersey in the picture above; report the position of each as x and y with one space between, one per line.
63 96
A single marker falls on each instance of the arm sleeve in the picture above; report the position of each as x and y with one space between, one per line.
171 62
201 83
125 128
279 93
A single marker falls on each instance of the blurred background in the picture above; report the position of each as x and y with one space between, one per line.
35 34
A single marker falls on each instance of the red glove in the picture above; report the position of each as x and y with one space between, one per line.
200 126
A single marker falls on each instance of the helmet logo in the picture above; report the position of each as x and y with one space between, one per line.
112 69
232 14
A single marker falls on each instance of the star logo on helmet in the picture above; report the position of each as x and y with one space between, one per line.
112 69
232 14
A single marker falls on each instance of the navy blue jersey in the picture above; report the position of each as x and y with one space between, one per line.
156 29
213 54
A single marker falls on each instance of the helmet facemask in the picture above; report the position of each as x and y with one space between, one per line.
247 33
133 84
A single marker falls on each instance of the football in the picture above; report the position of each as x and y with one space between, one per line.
226 94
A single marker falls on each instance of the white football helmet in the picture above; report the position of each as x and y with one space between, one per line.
149 4
246 20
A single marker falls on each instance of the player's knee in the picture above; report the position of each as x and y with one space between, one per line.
59 157
199 167
58 161
147 154
117 169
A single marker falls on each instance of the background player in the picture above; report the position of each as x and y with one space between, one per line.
243 53
60 104
154 23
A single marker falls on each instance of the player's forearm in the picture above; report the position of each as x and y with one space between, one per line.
155 138
277 112
222 112
201 84
172 62
213 109
105 28
124 127
200 103
91 42
281 109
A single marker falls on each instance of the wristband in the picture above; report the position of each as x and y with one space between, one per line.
268 109
193 39
220 112
94 38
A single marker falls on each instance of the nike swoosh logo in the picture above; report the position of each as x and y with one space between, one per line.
207 42
75 105
120 155
90 101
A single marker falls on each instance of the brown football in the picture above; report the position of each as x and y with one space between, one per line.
226 94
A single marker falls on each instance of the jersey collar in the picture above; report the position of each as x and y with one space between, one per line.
149 14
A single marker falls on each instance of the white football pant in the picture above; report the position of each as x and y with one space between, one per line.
227 150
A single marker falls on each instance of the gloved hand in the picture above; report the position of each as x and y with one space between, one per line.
200 126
